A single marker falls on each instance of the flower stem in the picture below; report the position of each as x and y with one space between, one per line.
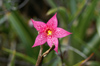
41 56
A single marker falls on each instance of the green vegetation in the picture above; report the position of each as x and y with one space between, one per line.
80 17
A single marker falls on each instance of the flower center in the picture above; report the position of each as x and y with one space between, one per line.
49 32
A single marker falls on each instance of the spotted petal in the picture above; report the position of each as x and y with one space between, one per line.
52 23
59 33
40 26
40 40
51 41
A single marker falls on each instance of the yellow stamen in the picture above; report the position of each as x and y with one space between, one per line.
49 32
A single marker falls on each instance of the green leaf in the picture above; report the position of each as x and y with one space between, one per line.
73 6
85 20
79 30
23 31
98 25
78 64
93 43
25 57
3 19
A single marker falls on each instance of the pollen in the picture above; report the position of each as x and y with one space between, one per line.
49 32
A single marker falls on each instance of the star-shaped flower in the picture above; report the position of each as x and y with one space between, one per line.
49 32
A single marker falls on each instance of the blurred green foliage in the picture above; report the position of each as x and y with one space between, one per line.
80 17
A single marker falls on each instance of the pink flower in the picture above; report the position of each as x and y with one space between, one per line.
49 32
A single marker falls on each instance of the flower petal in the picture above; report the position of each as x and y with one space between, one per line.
59 33
40 26
51 41
40 39
52 23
